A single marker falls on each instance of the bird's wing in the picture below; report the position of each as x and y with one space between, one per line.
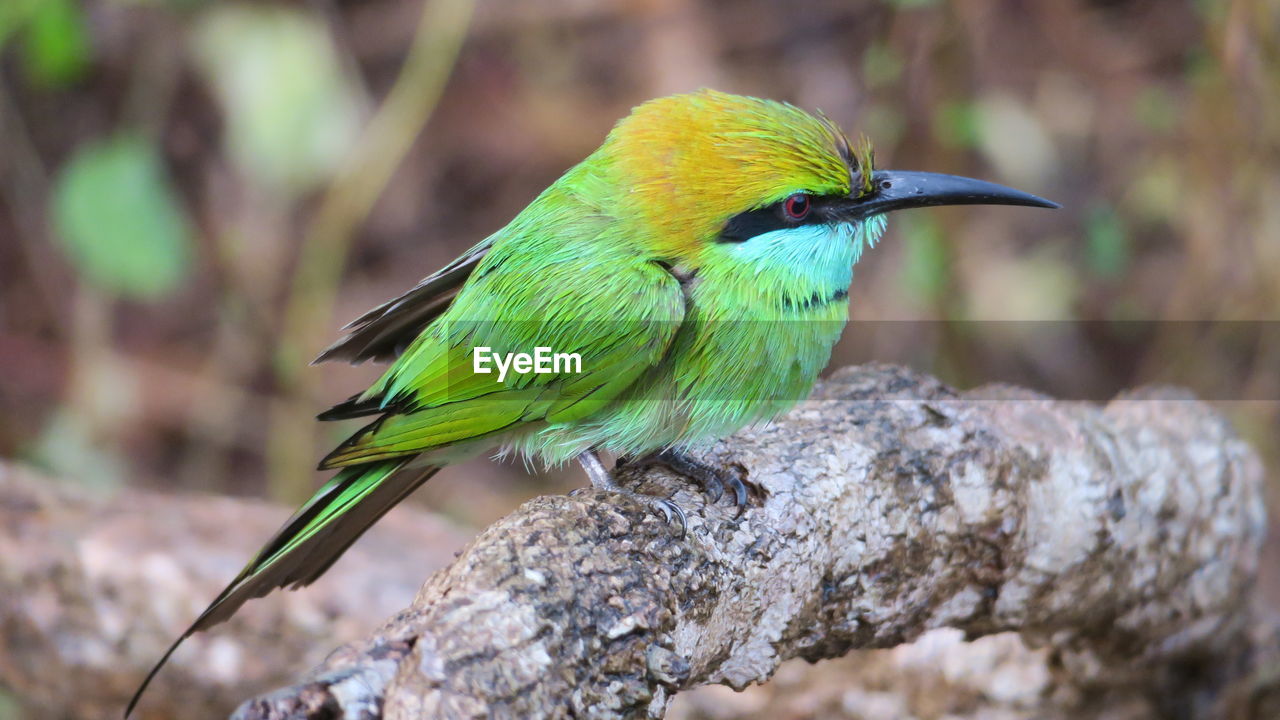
309 542
385 331
619 326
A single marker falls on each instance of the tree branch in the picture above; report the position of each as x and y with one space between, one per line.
1125 536
94 588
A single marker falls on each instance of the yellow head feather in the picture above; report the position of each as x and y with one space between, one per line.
685 164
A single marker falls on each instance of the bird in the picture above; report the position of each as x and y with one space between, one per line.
698 264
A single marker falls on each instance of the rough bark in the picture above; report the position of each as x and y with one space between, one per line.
94 586
1125 537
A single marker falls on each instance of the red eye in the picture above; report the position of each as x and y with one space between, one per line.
797 206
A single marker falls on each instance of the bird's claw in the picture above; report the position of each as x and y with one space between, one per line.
602 479
670 510
710 477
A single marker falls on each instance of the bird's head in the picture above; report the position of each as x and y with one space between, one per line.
706 169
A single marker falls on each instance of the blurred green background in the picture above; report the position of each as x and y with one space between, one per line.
194 196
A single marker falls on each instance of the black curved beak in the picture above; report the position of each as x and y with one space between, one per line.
902 189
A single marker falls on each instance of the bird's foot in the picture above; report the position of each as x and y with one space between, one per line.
602 479
713 479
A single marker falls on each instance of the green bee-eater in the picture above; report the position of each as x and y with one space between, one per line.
697 265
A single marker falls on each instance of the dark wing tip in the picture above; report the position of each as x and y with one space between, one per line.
353 407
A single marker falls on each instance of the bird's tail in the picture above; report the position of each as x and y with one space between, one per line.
310 541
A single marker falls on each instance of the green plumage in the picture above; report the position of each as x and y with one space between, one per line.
698 263
681 341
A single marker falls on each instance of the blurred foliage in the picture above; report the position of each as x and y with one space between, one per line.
1011 138
1108 245
9 707
171 170
925 257
955 125
53 37
120 221
290 111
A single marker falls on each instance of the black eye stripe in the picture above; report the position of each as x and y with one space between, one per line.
746 225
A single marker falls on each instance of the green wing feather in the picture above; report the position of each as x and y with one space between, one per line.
433 400
383 332
619 312
309 542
